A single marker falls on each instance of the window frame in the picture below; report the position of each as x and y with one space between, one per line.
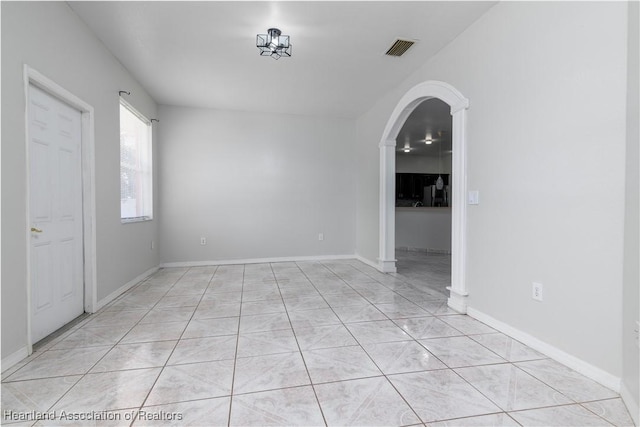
148 124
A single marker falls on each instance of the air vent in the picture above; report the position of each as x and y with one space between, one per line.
399 47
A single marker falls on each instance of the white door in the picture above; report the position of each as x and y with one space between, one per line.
55 211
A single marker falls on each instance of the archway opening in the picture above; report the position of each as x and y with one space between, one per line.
422 199
458 105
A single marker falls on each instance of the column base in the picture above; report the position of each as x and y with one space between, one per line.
387 266
457 301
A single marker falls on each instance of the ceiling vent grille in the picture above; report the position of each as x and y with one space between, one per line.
399 47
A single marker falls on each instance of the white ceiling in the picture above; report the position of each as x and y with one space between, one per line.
203 54
430 119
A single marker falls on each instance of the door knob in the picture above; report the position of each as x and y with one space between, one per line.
36 230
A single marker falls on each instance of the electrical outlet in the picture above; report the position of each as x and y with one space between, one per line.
321 236
537 291
203 241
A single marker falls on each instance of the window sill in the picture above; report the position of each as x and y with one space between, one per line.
133 220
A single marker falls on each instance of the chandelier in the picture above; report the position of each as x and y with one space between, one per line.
273 44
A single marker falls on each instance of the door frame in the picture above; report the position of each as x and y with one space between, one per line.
459 105
87 154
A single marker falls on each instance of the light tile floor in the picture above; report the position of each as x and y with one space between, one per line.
306 343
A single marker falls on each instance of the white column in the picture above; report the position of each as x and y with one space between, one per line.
387 258
458 289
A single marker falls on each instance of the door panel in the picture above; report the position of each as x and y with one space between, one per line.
41 204
66 249
43 272
66 200
55 189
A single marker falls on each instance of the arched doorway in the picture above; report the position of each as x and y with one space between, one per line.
458 105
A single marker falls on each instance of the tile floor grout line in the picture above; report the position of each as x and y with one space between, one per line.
477 389
373 361
304 362
542 381
474 416
356 291
556 389
363 296
447 364
359 344
508 337
559 405
572 401
349 330
112 346
93 366
235 356
66 335
40 352
329 270
595 413
385 375
389 381
170 354
162 368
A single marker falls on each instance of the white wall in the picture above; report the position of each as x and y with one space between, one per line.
423 228
546 139
255 185
50 38
631 359
407 163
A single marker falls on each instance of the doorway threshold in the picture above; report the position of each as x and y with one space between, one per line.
57 333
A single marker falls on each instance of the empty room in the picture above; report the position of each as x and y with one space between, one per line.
330 213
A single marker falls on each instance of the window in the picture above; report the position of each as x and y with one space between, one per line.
136 174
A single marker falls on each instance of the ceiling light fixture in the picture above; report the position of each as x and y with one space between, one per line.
273 44
427 139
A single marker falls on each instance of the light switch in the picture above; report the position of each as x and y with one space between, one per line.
474 197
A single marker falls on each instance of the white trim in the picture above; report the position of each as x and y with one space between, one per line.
388 265
124 288
387 258
135 220
15 357
37 79
254 260
135 111
364 260
632 405
424 250
599 375
459 207
456 301
459 105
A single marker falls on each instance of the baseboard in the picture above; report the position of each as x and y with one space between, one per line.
254 260
600 376
424 250
124 288
632 405
368 262
381 266
457 303
15 357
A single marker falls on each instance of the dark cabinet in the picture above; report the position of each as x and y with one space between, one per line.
417 187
